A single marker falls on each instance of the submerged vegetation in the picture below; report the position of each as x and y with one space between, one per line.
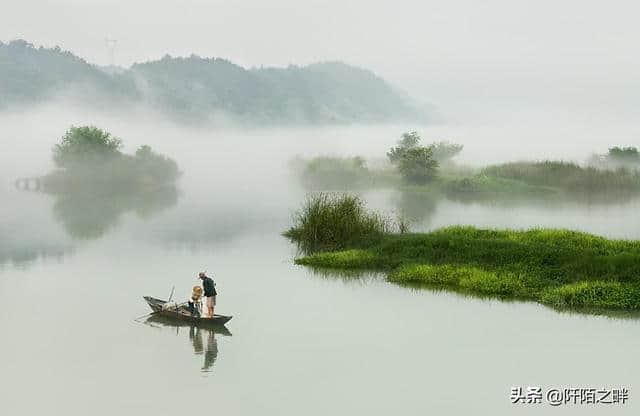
556 267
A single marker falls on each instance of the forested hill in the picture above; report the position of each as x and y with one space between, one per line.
200 89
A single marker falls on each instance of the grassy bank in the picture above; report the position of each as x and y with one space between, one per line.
555 267
541 179
483 185
569 177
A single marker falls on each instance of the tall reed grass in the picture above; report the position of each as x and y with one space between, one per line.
332 221
568 176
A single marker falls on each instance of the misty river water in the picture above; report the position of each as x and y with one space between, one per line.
73 273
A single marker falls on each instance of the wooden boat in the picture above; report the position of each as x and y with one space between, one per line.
182 313
165 322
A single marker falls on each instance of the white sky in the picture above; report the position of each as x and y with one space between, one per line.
455 53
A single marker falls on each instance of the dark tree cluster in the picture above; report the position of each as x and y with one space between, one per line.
419 164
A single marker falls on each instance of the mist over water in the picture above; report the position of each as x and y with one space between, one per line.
488 137
235 179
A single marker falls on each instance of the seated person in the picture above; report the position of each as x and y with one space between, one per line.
195 303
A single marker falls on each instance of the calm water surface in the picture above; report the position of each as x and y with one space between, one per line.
73 273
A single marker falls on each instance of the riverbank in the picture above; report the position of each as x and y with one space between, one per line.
555 267
547 179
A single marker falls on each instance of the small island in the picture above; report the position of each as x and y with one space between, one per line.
559 268
94 182
411 166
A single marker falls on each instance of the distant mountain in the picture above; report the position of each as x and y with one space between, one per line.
201 89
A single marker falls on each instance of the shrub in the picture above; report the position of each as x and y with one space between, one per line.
154 166
330 221
443 152
624 154
417 165
335 172
90 160
408 141
88 144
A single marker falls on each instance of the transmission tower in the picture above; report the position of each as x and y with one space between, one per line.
111 50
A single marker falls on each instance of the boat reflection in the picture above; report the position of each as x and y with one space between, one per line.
202 337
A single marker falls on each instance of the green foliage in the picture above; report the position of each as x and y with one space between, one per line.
196 89
557 267
497 284
407 141
417 165
624 154
598 294
443 152
326 172
441 274
86 145
483 184
330 221
155 167
617 158
29 75
567 176
347 259
90 160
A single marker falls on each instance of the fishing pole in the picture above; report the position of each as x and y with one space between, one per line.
154 312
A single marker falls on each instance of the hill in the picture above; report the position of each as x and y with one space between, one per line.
201 89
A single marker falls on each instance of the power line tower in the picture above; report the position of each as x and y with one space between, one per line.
111 50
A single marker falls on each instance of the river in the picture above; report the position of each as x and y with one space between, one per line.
73 273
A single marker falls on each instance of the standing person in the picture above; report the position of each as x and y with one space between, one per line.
210 293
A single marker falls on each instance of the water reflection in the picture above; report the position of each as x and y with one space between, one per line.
417 207
26 233
202 338
347 276
609 217
12 253
210 352
90 216
200 223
